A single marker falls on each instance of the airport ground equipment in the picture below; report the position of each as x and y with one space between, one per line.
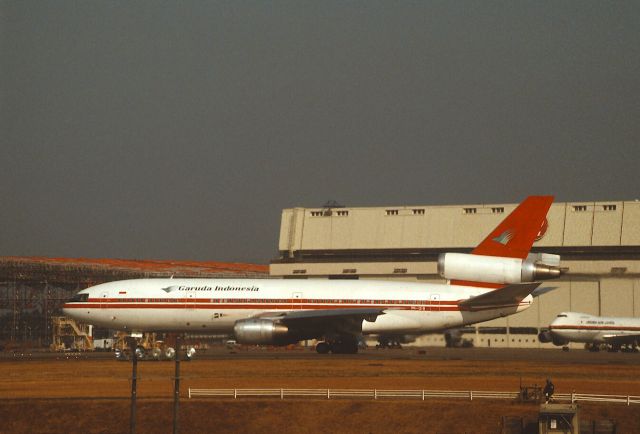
558 418
69 334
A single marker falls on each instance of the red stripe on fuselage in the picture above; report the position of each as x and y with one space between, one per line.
594 327
272 306
259 306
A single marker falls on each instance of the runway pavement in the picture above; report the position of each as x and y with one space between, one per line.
577 357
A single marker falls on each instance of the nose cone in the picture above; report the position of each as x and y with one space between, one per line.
69 312
66 311
75 305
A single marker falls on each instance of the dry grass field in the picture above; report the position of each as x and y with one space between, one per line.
91 395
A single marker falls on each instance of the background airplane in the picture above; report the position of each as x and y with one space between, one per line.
616 332
280 312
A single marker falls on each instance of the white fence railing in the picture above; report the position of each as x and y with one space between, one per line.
401 394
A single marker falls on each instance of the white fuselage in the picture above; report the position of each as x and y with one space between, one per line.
214 305
581 327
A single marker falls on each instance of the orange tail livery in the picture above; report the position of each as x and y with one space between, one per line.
503 256
514 237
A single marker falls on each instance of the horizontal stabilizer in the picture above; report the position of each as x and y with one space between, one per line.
543 290
505 296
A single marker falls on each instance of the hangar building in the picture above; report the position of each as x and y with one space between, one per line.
599 243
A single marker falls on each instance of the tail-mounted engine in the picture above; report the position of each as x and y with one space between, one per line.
262 331
496 269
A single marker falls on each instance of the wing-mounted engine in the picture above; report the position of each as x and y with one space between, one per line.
292 326
497 269
547 336
262 331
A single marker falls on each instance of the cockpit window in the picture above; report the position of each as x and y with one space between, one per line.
79 297
562 316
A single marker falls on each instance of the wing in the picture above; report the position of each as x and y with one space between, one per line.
322 322
510 295
621 339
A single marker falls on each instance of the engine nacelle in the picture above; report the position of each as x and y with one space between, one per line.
497 269
544 259
546 336
558 341
260 331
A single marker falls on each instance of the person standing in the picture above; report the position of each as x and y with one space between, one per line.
548 391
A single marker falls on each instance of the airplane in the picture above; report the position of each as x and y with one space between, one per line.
594 331
335 312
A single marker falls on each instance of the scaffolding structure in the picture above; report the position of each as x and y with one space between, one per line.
148 341
68 334
26 309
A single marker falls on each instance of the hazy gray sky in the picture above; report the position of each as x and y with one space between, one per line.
180 130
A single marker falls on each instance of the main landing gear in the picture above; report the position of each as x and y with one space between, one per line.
147 347
346 345
386 342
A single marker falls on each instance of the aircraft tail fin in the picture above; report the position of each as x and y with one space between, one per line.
510 241
515 235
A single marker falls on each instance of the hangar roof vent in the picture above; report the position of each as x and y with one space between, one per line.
332 204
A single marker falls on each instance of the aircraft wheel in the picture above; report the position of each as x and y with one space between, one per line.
156 353
140 352
121 355
323 348
169 353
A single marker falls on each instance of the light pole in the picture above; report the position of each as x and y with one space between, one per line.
176 390
134 379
